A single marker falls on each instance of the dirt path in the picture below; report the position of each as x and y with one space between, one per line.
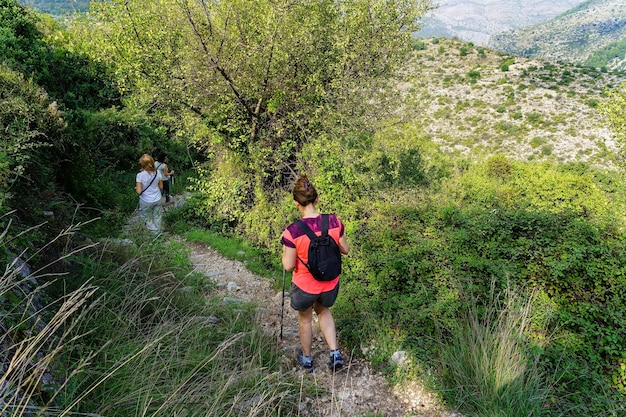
356 390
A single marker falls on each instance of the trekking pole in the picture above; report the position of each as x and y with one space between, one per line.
282 307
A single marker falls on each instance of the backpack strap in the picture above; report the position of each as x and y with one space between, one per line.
311 235
324 224
307 230
153 178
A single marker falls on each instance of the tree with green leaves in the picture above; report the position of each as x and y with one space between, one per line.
262 78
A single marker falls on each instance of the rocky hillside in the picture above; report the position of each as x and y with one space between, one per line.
476 102
574 36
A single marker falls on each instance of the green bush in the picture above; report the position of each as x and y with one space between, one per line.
33 126
419 45
537 141
474 74
548 229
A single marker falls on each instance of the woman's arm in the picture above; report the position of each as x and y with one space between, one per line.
138 187
289 258
344 248
167 172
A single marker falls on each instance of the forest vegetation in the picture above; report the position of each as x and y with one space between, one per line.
482 193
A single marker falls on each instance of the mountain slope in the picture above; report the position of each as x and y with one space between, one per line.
475 102
574 36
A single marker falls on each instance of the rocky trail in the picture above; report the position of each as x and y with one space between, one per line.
355 390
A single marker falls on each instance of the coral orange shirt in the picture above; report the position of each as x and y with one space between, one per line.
293 237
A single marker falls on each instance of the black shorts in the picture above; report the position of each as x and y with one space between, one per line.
302 301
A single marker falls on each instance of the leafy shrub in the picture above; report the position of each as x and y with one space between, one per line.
474 75
499 166
509 128
36 46
534 118
419 45
222 193
537 141
619 377
32 125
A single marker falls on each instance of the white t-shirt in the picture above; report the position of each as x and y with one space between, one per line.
152 191
160 167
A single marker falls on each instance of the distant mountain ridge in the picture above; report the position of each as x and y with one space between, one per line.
57 7
592 33
477 20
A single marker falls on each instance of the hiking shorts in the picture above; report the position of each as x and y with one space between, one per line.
302 301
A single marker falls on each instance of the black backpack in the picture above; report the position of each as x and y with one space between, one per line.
324 254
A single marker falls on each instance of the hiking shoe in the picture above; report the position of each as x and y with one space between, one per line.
336 360
305 361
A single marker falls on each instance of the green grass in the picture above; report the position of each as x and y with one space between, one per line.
146 335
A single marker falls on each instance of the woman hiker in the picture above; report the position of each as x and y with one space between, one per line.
308 294
148 184
161 166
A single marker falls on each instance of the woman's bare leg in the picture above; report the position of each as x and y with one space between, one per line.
327 325
305 329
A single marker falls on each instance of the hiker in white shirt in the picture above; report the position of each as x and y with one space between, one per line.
149 185
161 166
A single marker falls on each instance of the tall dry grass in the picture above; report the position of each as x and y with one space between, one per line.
141 335
488 368
36 331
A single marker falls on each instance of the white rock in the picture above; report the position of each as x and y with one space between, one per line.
399 357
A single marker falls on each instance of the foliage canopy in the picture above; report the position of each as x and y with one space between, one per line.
262 77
